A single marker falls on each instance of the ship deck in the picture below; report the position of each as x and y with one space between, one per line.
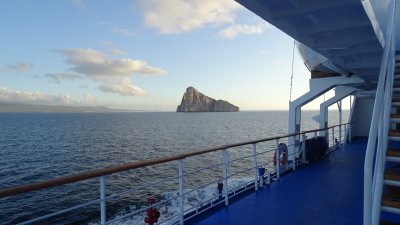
329 191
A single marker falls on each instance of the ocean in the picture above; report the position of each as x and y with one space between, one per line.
40 146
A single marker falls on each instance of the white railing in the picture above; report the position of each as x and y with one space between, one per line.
378 134
251 155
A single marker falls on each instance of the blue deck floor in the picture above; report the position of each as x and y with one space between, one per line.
329 191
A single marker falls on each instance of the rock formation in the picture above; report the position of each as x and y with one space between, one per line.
194 101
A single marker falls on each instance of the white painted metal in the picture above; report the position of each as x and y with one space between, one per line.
350 133
393 159
317 88
390 209
351 41
339 104
255 168
393 138
179 198
379 125
181 191
102 200
341 92
225 156
392 183
303 147
277 159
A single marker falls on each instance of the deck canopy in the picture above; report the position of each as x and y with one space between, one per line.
347 32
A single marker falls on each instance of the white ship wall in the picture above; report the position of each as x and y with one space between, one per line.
362 116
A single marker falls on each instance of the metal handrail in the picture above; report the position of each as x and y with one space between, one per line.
134 165
377 129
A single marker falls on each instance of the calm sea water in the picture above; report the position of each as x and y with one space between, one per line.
39 146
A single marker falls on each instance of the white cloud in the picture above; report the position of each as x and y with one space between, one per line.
58 77
113 50
123 87
112 74
19 67
116 51
40 98
236 29
96 66
9 95
89 98
175 16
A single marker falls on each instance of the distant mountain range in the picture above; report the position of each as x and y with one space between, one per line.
22 107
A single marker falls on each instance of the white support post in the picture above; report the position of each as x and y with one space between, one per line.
255 168
345 129
317 88
102 200
181 194
225 157
303 147
349 132
277 159
340 121
295 154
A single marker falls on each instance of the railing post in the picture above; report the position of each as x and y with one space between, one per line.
303 136
255 167
340 134
277 159
225 157
181 194
333 137
349 127
102 200
315 134
294 156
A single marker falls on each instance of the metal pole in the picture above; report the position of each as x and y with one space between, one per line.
304 146
278 159
350 133
340 121
225 163
255 168
315 134
333 136
102 200
181 202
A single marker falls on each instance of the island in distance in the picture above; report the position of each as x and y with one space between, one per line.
194 101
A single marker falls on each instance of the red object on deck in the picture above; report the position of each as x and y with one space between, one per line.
152 213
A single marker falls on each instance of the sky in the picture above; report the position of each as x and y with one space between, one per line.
143 54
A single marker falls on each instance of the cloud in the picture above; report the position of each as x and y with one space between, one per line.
116 51
176 16
96 66
19 67
9 95
236 29
123 87
58 77
112 74
89 98
113 50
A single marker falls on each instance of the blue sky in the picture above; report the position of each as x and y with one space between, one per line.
143 54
